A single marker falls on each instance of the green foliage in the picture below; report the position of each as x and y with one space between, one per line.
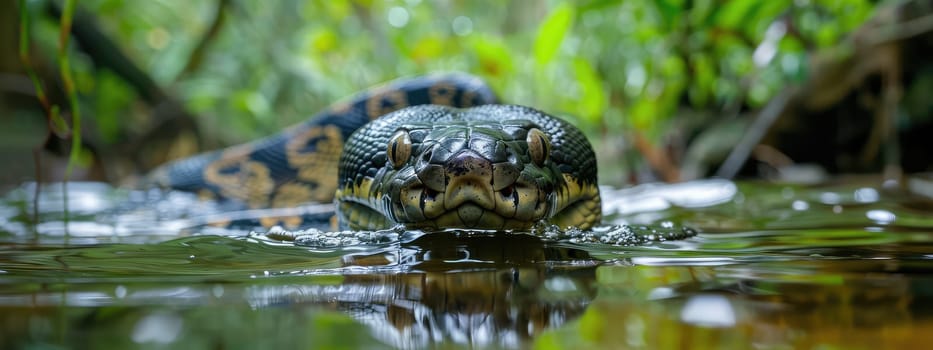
64 66
493 56
55 121
613 67
112 98
552 32
592 95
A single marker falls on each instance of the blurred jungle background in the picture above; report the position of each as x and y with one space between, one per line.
666 89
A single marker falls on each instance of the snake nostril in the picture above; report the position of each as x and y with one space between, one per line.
507 192
426 156
430 194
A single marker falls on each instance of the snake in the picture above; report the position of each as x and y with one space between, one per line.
433 152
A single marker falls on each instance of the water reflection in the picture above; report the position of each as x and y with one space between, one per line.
158 327
498 290
834 303
709 311
774 266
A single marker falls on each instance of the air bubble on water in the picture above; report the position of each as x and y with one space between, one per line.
328 239
158 328
866 195
217 291
881 216
620 235
800 205
120 292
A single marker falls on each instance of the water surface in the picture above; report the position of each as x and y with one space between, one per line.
844 265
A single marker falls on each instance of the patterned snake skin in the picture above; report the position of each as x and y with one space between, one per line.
303 163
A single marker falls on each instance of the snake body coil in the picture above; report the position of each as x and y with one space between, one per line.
412 159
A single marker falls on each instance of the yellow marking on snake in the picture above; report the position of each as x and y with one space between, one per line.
241 178
318 167
376 105
254 174
577 204
466 97
288 195
442 94
291 194
341 107
358 193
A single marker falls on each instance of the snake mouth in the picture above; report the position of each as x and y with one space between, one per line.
468 216
469 201
425 215
469 191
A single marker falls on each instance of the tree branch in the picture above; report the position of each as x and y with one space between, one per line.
197 55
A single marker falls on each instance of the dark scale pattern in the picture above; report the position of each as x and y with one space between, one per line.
304 163
190 174
571 153
569 147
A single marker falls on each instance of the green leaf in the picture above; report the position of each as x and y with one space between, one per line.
671 11
427 48
495 58
336 11
704 80
644 114
596 5
827 36
551 33
321 41
58 124
592 94
700 15
82 158
735 13
113 96
757 22
251 102
673 73
593 325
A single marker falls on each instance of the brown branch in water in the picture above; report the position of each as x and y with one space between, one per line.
197 55
657 159
753 135
884 135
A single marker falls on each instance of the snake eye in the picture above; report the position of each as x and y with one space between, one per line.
399 148
539 147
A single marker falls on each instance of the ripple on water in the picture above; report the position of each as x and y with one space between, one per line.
772 264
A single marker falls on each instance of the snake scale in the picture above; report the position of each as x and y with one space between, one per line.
433 152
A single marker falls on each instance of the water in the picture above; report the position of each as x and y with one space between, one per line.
837 266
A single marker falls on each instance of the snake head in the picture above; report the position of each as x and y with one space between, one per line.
486 168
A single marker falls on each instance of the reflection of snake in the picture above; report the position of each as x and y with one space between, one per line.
429 167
